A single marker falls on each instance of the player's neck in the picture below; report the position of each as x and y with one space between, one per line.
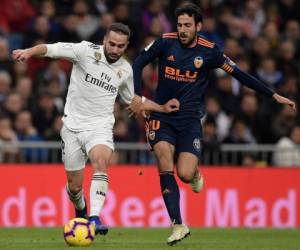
193 43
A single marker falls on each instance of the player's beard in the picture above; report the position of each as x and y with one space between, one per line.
188 42
110 58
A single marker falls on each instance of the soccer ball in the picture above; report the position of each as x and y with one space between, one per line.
79 232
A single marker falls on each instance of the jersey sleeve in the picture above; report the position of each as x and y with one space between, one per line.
220 60
126 90
70 51
151 52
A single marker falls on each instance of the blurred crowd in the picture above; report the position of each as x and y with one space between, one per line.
262 37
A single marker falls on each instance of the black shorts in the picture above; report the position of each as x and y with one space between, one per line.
186 139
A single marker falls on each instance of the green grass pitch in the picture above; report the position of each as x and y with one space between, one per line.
154 239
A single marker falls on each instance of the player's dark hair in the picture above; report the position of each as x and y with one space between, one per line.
191 10
119 28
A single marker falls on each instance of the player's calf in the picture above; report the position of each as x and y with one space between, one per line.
81 213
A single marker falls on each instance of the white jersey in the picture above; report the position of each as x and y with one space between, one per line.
94 85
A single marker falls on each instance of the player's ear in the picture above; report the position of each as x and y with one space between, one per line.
199 26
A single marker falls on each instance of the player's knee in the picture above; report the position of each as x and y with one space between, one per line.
100 164
74 187
165 163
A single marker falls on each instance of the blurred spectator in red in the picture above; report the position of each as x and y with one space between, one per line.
149 78
18 13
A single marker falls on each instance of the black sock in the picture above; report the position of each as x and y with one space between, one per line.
171 195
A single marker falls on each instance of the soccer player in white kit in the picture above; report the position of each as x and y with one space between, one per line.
99 73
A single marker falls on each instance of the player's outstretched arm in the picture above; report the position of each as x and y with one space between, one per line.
141 105
253 83
22 55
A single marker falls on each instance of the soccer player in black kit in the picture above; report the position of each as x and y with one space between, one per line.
185 60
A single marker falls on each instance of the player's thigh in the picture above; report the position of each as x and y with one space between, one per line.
73 156
186 166
100 156
164 153
188 148
75 180
162 138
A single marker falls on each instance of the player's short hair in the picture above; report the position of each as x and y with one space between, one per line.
119 28
191 10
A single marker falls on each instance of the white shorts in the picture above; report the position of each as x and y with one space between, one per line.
77 145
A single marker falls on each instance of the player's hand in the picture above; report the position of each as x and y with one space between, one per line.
134 109
172 105
282 100
21 55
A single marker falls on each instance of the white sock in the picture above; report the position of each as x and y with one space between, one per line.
98 190
77 199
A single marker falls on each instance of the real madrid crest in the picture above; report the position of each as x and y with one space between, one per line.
97 56
198 61
119 74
